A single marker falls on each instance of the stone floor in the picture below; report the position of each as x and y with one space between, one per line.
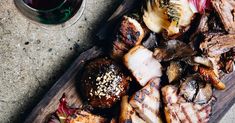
32 58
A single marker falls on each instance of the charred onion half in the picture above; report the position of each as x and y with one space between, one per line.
170 16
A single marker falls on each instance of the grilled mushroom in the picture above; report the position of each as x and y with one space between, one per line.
173 49
204 93
188 88
174 71
203 60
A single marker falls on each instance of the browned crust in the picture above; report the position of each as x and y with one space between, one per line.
217 45
226 11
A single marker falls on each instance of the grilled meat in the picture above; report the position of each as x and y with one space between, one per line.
187 113
217 45
226 12
103 82
170 95
146 102
178 110
226 62
85 117
203 24
143 66
127 113
126 110
130 33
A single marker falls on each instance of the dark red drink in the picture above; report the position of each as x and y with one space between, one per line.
49 11
44 4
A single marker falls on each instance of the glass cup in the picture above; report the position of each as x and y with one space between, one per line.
52 14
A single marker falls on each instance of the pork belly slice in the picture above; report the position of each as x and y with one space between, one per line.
178 110
82 116
143 66
146 102
187 113
129 34
217 45
127 113
226 12
170 95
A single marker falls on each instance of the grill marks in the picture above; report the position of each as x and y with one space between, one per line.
225 10
146 102
177 110
129 34
189 112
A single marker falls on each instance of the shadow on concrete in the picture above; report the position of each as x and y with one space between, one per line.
22 113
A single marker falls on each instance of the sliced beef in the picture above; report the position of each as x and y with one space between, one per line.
226 12
218 44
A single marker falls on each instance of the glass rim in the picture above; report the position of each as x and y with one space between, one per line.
41 10
58 26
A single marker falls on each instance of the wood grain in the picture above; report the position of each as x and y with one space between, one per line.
224 99
66 84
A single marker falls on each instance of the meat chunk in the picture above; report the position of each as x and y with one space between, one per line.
178 110
226 11
130 33
146 102
217 45
139 60
170 95
85 117
103 82
127 113
187 113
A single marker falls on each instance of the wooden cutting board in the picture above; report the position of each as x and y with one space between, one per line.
68 83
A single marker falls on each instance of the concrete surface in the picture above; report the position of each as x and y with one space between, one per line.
32 58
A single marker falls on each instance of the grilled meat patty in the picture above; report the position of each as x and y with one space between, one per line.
103 82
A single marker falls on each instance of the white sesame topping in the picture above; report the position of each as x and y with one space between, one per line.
108 84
